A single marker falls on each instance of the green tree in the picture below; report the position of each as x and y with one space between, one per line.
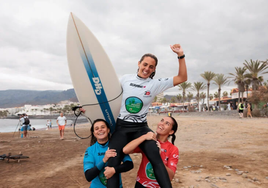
183 86
220 80
216 95
179 97
173 99
255 69
164 100
208 76
239 77
190 96
198 86
210 96
225 94
203 96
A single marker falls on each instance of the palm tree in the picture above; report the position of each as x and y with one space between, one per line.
255 68
208 76
189 96
173 99
239 78
179 97
183 86
198 86
220 80
202 96
247 83
210 96
216 95
225 94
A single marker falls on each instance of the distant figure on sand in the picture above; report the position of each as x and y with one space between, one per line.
48 124
240 109
24 120
249 110
61 121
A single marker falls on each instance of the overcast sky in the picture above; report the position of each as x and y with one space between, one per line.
215 35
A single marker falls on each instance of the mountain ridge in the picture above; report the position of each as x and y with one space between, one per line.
16 98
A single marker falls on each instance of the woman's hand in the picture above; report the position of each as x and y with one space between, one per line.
176 48
109 172
159 146
82 110
150 136
109 153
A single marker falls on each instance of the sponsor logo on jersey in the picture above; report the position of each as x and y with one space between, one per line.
160 79
97 85
102 178
147 94
175 156
149 171
136 85
100 154
133 105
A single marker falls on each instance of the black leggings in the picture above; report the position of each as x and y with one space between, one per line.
138 185
126 132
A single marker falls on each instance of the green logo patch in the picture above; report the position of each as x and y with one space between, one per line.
102 178
150 171
133 105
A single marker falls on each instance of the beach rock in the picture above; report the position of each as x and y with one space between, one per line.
228 174
244 175
177 180
239 172
214 186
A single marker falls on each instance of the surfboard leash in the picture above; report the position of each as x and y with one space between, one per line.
79 113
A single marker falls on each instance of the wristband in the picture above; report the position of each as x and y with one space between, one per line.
181 57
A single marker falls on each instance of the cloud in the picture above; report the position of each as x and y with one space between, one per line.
216 36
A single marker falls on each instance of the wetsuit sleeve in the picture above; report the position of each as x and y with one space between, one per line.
91 171
173 159
126 166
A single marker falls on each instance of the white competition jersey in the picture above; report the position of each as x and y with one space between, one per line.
138 94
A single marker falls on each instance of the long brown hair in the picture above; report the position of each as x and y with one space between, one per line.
174 128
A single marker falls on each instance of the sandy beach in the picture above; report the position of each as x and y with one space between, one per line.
215 151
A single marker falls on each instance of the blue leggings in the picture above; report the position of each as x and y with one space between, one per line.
126 132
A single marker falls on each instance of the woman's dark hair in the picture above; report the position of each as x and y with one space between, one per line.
151 56
174 128
93 138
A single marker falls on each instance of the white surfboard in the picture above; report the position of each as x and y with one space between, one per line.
94 79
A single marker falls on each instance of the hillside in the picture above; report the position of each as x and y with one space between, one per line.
16 98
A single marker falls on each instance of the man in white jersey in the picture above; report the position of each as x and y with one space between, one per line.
61 121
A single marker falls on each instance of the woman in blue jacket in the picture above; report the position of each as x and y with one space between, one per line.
97 155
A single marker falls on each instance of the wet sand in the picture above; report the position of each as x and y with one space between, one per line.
215 151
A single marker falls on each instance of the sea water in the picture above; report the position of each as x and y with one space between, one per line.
12 125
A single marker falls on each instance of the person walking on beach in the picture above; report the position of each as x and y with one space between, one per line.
139 91
240 109
61 121
97 155
47 124
169 152
249 110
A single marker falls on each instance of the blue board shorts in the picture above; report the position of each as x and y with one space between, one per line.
25 127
